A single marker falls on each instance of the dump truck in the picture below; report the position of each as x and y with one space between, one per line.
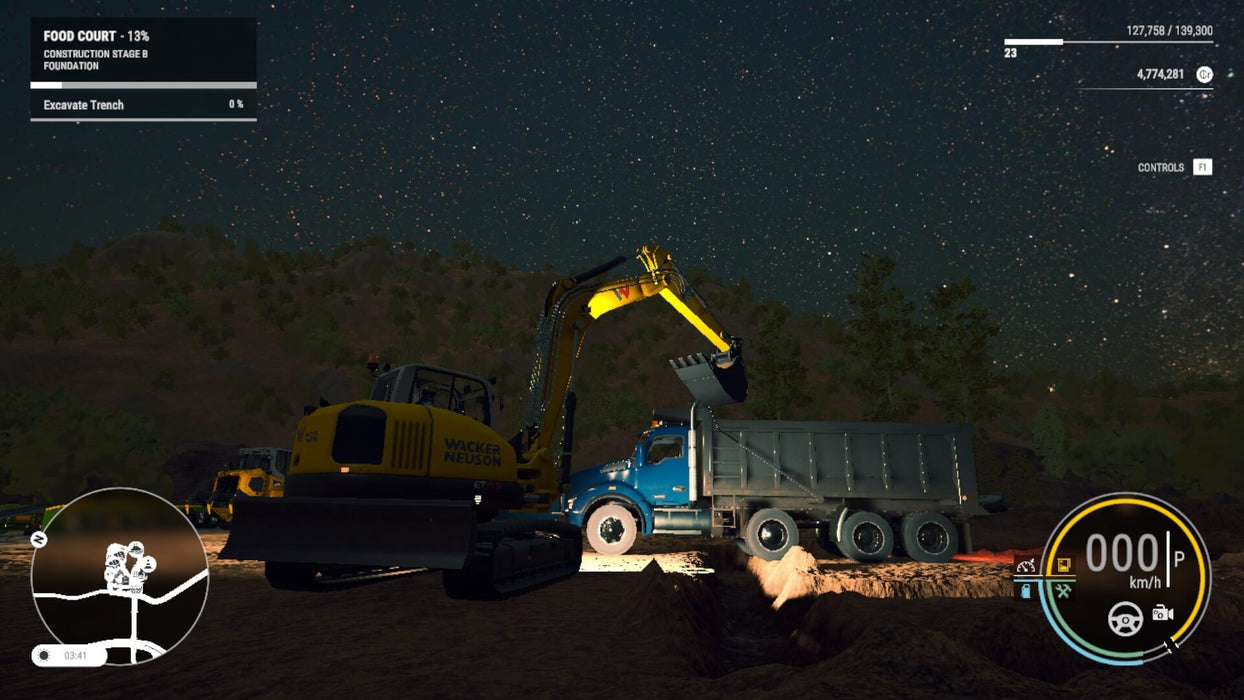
422 476
260 471
864 487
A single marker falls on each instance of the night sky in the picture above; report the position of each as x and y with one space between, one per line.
775 143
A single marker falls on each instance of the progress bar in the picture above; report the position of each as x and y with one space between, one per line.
144 119
1060 42
142 85
1197 89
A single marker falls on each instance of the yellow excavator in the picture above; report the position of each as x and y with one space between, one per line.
417 476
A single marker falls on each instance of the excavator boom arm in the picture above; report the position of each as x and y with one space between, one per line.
575 302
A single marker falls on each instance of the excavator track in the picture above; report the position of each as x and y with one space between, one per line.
515 556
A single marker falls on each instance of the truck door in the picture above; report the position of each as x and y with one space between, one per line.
663 475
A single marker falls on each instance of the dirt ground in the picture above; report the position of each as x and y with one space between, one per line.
702 619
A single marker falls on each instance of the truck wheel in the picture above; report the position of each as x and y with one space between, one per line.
826 537
866 537
612 529
771 532
199 518
929 537
213 520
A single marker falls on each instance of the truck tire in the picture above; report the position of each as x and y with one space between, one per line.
612 529
770 533
199 518
828 539
866 537
929 537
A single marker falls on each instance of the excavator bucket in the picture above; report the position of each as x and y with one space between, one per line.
714 381
363 532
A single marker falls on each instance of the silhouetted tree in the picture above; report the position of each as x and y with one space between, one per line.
774 366
1049 441
955 361
880 343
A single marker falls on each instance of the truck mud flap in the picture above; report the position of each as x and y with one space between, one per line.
717 381
366 532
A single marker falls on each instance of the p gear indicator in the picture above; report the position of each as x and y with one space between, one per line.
1125 579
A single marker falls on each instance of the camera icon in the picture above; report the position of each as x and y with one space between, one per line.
1161 613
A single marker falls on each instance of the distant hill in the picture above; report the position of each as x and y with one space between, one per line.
113 360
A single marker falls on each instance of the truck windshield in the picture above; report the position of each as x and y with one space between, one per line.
254 461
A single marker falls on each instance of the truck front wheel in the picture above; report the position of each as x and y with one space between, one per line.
929 537
612 529
866 537
771 532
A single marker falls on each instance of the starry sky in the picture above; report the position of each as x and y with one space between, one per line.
770 141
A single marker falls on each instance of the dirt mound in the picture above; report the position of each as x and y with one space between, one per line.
796 575
897 660
1012 635
682 611
800 575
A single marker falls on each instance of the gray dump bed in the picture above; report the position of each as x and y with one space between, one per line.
887 465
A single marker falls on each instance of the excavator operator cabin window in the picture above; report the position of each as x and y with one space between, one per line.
665 447
452 392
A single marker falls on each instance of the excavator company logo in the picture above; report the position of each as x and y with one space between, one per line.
487 454
622 292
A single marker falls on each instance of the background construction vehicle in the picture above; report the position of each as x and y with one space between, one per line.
422 475
28 518
260 471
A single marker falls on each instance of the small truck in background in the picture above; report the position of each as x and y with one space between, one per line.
868 489
260 471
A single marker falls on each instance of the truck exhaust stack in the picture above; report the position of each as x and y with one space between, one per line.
717 381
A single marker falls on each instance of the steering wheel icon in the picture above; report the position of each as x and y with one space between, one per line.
1125 619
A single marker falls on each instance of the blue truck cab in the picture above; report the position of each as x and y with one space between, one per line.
655 475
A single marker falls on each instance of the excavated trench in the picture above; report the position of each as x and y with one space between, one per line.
923 623
809 625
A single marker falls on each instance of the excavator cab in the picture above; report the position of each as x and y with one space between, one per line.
425 385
